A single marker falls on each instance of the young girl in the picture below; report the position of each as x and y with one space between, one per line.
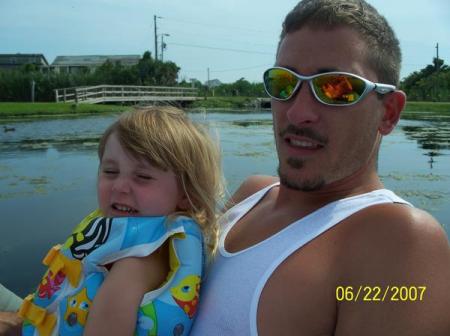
134 265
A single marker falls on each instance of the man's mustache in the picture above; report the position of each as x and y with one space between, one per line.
304 132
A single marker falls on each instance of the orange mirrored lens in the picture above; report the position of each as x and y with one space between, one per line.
338 89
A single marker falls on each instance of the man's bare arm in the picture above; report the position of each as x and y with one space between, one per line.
398 268
10 324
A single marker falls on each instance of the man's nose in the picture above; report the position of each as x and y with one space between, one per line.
303 106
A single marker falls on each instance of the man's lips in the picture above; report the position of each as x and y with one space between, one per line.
302 143
303 138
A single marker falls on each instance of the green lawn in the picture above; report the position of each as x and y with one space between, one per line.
224 102
441 107
247 102
12 110
20 110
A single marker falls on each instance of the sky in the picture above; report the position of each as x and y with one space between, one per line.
229 39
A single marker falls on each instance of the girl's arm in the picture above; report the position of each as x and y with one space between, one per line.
114 309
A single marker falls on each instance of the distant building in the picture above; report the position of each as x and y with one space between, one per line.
15 61
213 83
88 63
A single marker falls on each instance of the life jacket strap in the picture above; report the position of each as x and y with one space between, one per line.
56 261
38 316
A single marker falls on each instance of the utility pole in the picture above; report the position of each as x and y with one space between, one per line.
437 56
156 35
436 92
163 46
33 84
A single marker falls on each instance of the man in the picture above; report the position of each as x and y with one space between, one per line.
10 323
328 251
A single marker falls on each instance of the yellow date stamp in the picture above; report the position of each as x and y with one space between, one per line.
380 293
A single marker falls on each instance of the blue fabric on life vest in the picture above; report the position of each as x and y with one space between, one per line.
97 241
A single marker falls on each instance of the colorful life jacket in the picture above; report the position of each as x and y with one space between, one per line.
77 269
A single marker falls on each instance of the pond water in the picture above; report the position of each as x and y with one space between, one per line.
48 174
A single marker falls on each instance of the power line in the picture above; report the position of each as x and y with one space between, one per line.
246 68
224 49
217 26
182 33
233 69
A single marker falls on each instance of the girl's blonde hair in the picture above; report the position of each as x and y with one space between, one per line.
167 139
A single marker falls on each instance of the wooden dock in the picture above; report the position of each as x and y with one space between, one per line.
125 93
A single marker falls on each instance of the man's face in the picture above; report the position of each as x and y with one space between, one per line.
319 144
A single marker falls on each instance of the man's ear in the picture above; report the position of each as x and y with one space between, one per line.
393 104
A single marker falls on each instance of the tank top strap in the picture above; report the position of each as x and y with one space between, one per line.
230 217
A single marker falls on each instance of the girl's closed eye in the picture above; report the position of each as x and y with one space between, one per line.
144 176
110 171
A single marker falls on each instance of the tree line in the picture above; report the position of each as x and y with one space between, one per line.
15 85
431 83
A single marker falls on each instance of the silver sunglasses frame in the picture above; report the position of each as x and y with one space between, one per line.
370 86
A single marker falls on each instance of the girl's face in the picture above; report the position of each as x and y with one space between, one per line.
130 187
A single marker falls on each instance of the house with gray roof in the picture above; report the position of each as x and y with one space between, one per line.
88 63
15 61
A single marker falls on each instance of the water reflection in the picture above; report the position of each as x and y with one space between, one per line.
434 138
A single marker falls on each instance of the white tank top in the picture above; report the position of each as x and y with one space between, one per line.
230 295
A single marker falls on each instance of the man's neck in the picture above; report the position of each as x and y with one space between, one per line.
358 183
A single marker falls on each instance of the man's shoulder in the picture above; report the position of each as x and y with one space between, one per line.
394 239
390 252
395 220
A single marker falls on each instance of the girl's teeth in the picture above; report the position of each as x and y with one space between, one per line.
125 209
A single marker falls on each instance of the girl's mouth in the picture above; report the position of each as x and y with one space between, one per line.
124 208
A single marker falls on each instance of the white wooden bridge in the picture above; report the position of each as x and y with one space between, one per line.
125 93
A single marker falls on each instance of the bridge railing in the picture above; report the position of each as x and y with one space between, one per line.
123 93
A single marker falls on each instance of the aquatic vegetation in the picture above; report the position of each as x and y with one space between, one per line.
397 176
252 122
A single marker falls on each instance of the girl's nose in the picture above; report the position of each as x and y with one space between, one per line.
121 184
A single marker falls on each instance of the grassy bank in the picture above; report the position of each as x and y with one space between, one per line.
440 107
25 110
248 102
15 110
224 102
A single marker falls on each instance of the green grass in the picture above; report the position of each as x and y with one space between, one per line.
32 110
224 102
14 110
440 107
247 102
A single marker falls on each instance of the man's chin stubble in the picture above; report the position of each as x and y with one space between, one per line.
303 185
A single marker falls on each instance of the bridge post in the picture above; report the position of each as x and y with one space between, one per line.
64 95
56 95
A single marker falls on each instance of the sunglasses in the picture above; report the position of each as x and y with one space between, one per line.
329 88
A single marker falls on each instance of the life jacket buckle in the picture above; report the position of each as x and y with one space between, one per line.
38 316
56 261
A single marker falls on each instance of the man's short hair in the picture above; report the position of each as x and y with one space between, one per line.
383 50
